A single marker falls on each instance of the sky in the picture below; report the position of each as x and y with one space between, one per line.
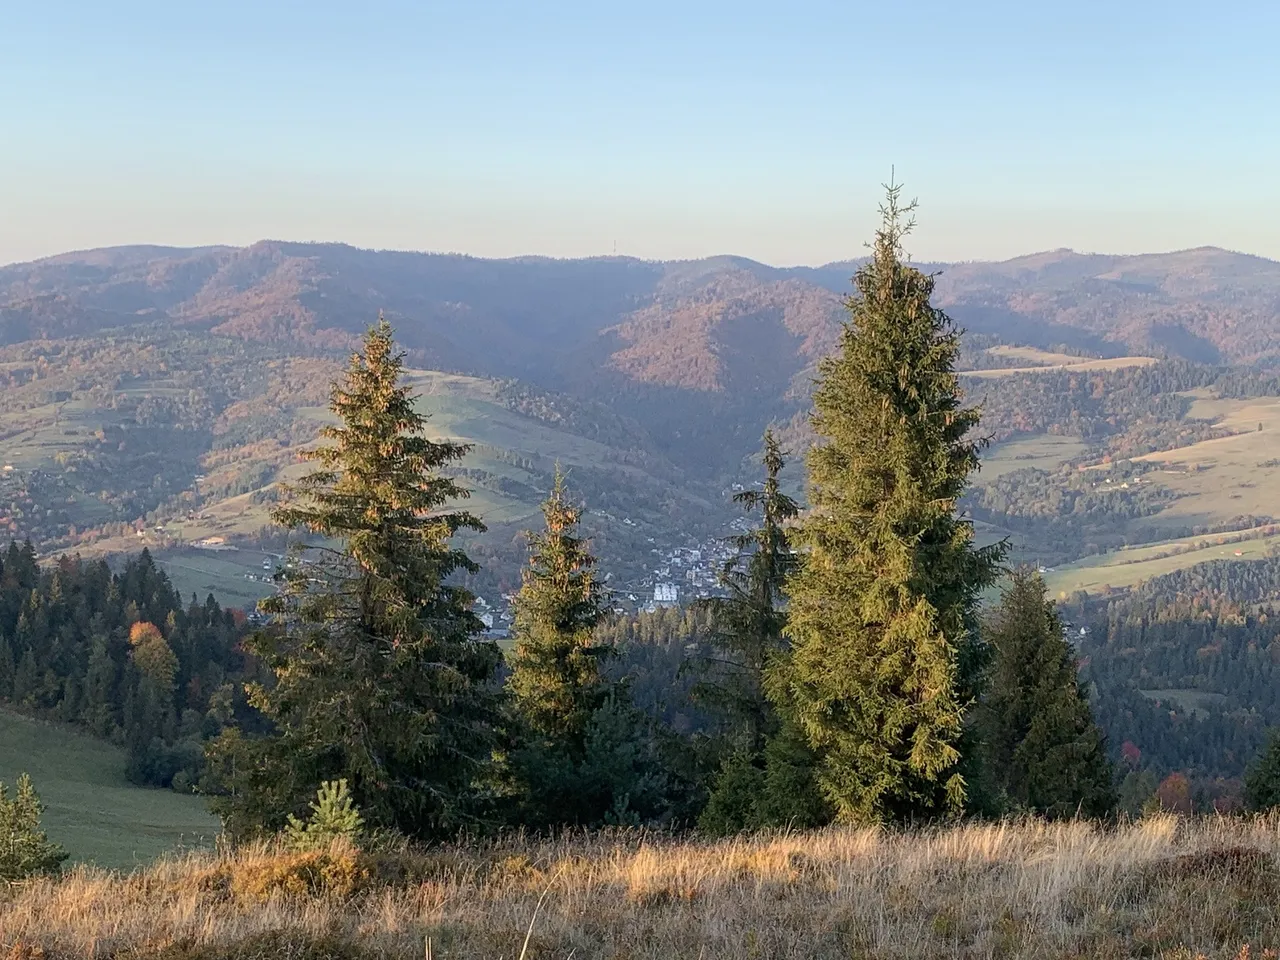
654 129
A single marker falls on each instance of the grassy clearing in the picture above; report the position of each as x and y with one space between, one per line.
1076 365
92 810
1158 888
1044 452
1228 476
1132 565
224 574
1218 482
1033 356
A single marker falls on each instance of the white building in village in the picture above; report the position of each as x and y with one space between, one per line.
665 594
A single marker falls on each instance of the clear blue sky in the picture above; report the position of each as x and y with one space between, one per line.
673 129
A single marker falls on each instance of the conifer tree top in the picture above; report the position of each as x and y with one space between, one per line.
891 388
378 488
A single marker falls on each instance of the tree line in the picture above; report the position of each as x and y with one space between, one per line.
120 656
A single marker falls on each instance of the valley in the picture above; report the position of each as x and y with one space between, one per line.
420 538
157 397
1122 475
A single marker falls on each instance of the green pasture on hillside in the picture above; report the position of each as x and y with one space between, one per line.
90 808
1043 452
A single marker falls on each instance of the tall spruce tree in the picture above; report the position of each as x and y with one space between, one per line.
1042 751
764 771
882 608
379 676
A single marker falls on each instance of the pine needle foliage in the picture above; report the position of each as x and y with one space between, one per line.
881 609
555 680
25 849
765 771
746 631
334 817
378 675
1043 753
581 753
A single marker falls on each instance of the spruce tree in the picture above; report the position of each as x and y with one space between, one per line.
7 668
379 675
334 818
747 625
26 679
1042 751
25 849
100 704
569 716
555 682
882 607
764 773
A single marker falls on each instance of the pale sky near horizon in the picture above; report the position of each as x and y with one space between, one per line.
672 130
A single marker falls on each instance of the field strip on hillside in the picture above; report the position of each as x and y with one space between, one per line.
1043 451
1205 449
1033 355
1254 426
1084 366
1133 565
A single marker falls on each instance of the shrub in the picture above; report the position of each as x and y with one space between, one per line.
731 808
334 817
25 850
335 871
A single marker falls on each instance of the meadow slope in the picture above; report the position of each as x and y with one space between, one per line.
1157 888
90 808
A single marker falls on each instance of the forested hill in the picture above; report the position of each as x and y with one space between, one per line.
724 323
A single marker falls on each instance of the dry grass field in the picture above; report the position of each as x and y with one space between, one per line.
1159 888
1218 483
1231 475
1040 361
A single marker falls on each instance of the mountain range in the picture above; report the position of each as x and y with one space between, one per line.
144 384
707 325
671 344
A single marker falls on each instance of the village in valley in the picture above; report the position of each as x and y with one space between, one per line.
674 575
